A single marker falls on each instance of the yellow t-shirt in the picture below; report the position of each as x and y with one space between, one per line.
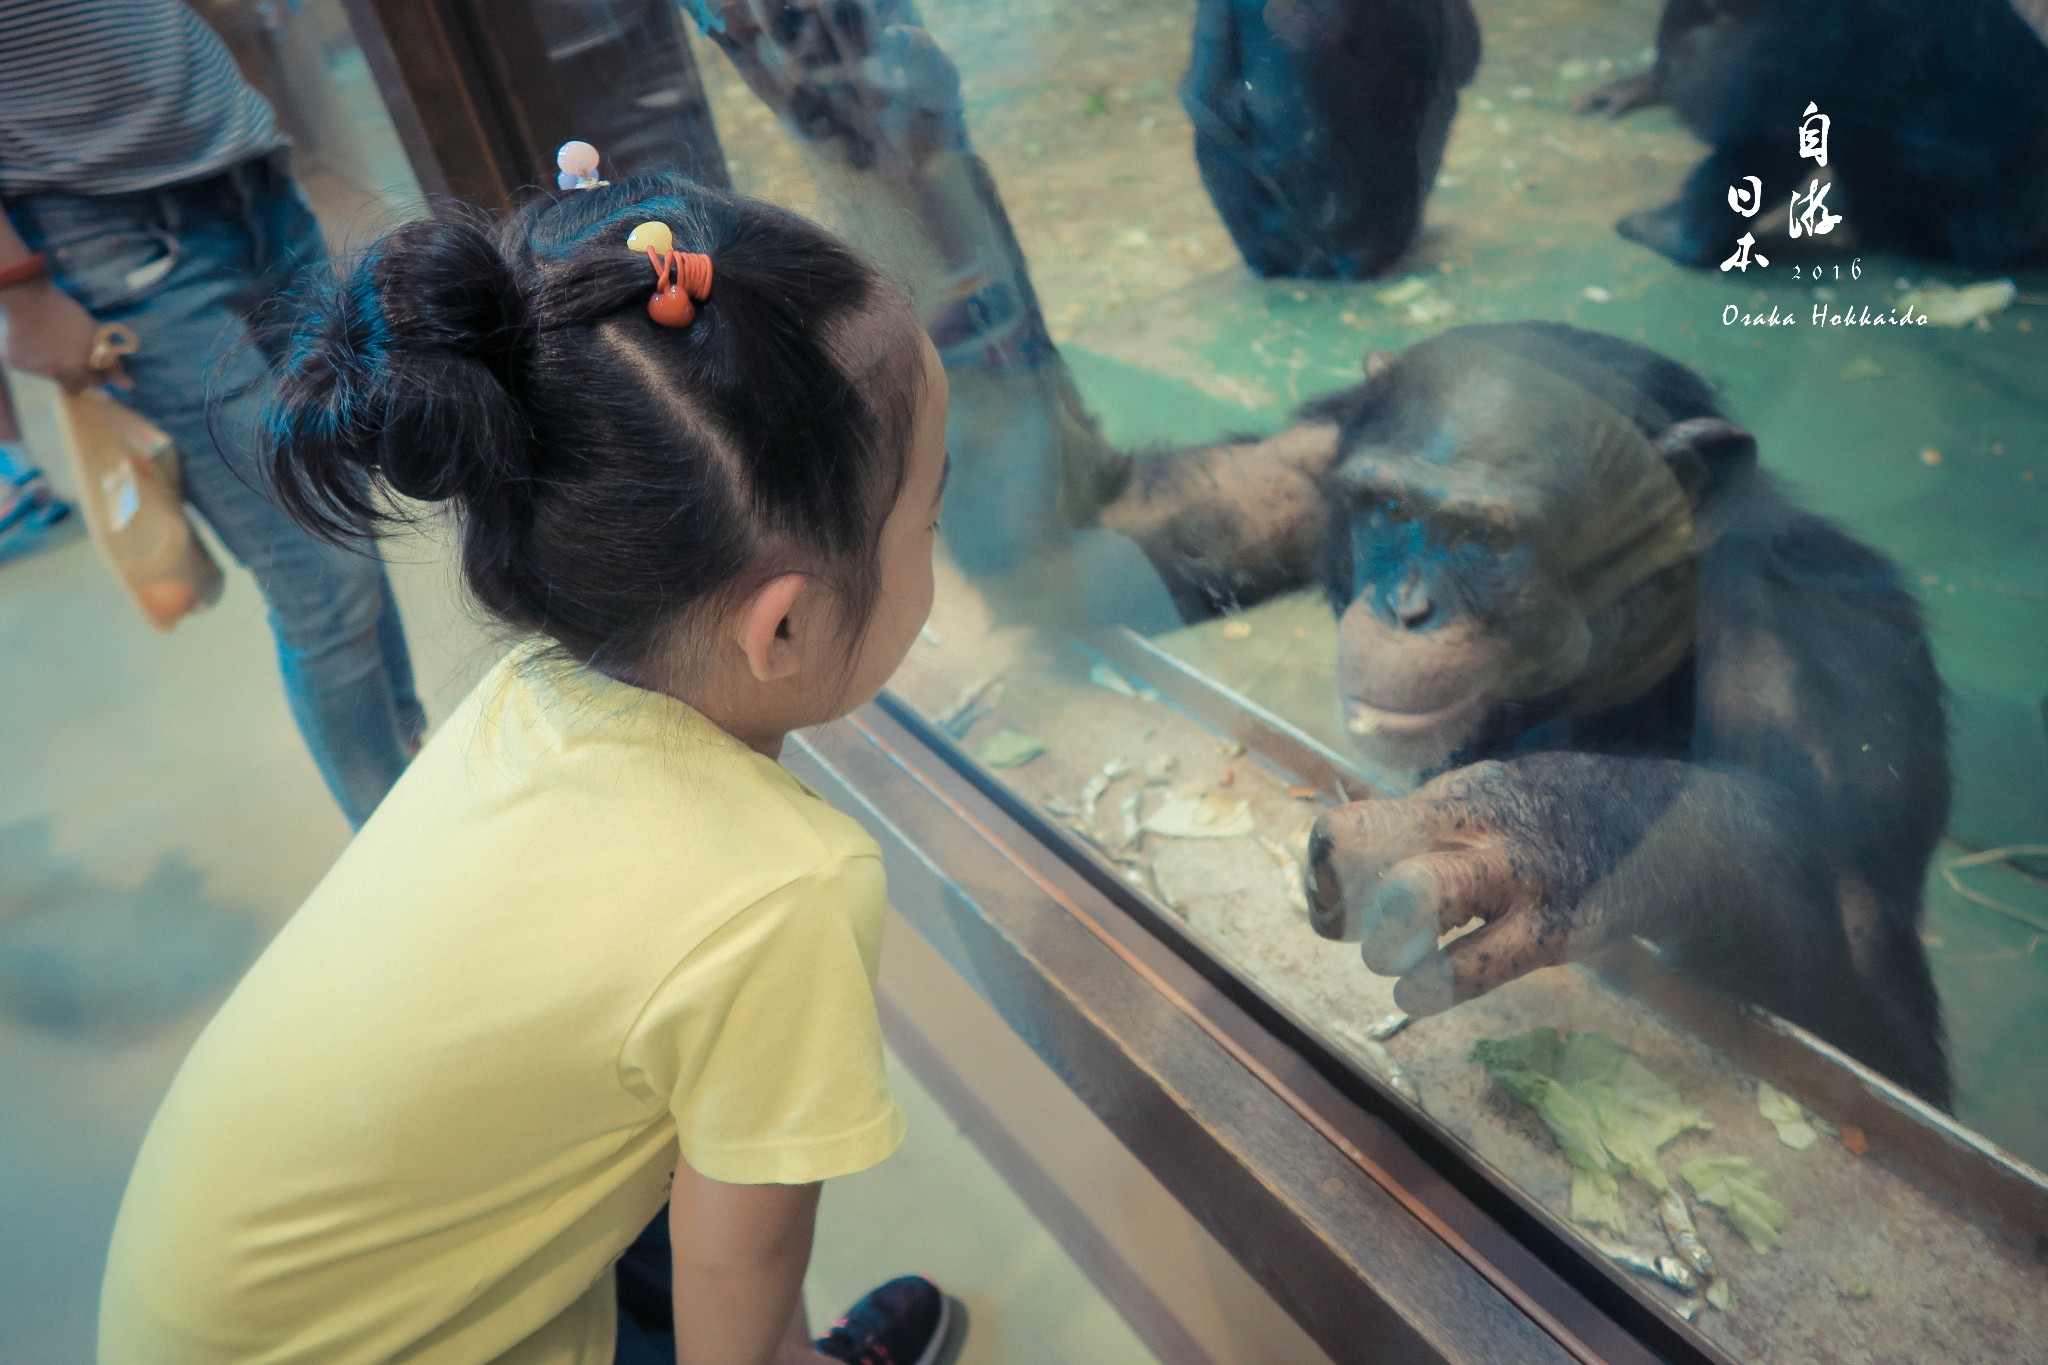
585 927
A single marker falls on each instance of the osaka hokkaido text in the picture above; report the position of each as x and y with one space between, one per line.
1865 316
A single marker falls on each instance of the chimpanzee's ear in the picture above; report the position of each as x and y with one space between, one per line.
1704 452
1378 362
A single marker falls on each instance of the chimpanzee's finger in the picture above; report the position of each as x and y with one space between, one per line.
1513 945
1351 848
1422 898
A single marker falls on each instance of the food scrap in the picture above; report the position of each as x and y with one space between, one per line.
1387 1025
1784 1114
1739 1188
974 702
1947 306
1201 815
1665 1268
1382 1062
1009 749
1855 1140
1091 794
1290 873
1609 1114
1682 1233
1107 678
1607 1111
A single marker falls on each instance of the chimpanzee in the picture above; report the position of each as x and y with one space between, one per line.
1643 690
1938 133
1320 124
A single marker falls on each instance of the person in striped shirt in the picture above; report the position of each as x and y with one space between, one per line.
143 181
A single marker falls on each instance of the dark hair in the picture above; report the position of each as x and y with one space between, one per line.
610 475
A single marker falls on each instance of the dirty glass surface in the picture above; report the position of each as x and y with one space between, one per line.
1521 531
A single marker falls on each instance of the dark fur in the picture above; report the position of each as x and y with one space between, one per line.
1939 142
1319 136
1714 811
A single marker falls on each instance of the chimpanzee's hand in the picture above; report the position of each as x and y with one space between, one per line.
1492 841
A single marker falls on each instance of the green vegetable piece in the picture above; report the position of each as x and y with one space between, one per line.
1786 1116
1627 1137
1656 1103
1106 677
1535 1051
1596 1201
1777 1106
1720 1295
1606 1110
1009 749
1588 1059
1860 1290
1572 1122
1735 1185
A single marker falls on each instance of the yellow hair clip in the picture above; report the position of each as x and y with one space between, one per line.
682 279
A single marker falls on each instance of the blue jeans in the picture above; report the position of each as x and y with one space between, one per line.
197 269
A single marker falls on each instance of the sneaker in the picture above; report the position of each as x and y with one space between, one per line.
30 515
909 1321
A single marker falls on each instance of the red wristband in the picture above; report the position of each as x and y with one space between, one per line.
21 272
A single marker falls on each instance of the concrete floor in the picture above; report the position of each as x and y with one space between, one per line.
159 819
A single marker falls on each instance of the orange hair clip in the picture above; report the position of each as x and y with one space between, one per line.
682 279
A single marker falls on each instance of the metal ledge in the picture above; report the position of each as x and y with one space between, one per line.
1368 1246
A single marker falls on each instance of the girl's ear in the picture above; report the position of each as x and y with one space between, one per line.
768 630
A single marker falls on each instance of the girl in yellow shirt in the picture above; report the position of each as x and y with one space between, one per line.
597 950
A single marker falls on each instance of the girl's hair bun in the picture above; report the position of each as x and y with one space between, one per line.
612 477
405 367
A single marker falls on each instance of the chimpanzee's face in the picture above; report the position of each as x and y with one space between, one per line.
1435 588
1485 512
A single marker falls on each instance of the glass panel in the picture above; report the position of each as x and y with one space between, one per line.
1517 487
345 153
627 84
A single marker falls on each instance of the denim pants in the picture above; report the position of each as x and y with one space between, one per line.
197 269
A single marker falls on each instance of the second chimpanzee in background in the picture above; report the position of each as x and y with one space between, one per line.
1938 143
1320 124
1644 691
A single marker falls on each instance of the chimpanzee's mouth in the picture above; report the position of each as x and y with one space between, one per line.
1365 720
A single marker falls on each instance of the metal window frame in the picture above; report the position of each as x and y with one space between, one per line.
470 88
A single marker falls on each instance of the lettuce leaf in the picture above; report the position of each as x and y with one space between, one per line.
1741 1191
1596 1201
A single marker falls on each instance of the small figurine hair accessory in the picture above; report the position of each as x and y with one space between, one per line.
578 163
682 279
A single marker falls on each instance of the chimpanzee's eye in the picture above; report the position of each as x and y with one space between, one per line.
1490 538
1465 533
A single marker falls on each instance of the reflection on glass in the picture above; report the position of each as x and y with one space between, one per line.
1603 641
345 154
626 83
